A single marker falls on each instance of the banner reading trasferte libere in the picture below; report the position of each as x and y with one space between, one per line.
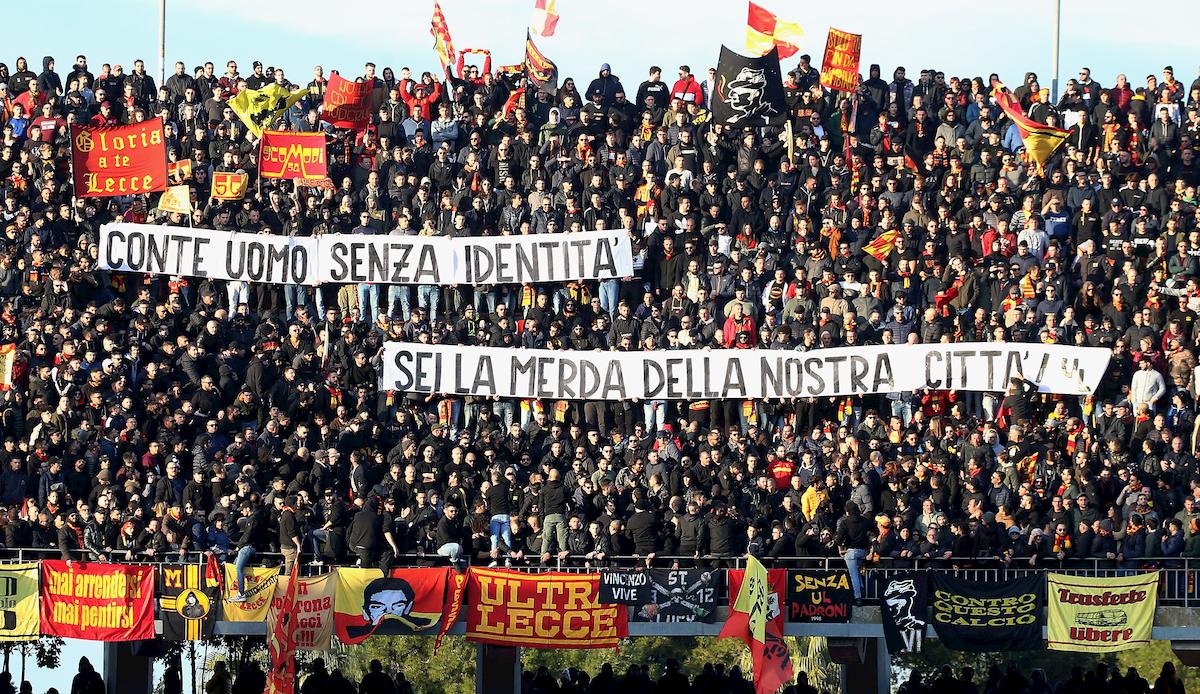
383 259
742 374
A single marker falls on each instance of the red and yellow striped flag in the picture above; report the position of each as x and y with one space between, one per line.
764 31
545 18
179 171
1040 140
441 37
1028 466
881 247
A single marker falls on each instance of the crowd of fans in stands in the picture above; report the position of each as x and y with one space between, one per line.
154 416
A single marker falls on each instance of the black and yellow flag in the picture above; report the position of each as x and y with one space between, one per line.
258 108
542 71
187 602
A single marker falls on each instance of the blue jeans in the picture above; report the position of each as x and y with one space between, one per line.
428 296
294 295
504 412
501 528
855 558
399 293
368 302
453 550
239 565
654 415
238 293
610 291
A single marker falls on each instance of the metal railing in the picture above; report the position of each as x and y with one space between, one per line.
1179 581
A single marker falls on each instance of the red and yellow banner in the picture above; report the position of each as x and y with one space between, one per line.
119 159
98 602
229 185
292 155
1040 140
549 610
312 610
839 69
347 104
1100 615
414 599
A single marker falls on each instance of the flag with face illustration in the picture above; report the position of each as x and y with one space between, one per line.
748 91
412 599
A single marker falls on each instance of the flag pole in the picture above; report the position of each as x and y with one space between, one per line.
1057 35
162 42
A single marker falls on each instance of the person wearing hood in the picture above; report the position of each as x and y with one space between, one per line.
49 81
553 126
606 85
88 680
18 84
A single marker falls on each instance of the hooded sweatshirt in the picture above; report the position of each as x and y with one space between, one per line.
49 80
18 84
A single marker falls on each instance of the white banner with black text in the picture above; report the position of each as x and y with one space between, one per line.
741 374
365 258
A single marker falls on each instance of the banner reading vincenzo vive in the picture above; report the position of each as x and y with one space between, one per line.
1100 615
987 616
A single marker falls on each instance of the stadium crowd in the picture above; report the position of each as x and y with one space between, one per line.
151 416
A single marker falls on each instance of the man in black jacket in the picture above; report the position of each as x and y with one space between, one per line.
289 531
853 538
552 500
453 537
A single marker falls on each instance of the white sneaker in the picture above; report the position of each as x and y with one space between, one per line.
240 597
508 563
493 565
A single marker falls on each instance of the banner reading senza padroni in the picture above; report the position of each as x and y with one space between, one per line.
741 374
819 596
1099 615
99 602
119 159
344 258
548 610
292 155
987 616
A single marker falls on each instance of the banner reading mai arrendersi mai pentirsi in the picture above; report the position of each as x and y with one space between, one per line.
742 374
375 258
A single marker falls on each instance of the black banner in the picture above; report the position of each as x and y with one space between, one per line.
749 91
187 602
819 596
685 595
624 587
903 612
985 617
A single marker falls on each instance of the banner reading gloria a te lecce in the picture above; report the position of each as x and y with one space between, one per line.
119 159
98 602
1099 615
353 258
547 610
736 373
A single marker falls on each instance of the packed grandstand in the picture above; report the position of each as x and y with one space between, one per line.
173 415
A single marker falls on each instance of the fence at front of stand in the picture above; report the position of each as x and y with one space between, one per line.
1179 584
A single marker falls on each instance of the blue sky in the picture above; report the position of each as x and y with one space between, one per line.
965 38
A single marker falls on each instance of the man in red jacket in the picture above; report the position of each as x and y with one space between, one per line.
687 89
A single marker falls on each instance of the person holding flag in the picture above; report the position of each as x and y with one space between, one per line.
1039 140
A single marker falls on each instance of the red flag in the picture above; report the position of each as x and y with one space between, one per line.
755 596
442 43
545 18
281 641
347 104
881 247
457 585
214 575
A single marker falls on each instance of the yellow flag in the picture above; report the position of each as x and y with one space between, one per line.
176 199
754 598
1100 615
259 107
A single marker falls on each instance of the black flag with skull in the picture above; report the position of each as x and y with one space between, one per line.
749 91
